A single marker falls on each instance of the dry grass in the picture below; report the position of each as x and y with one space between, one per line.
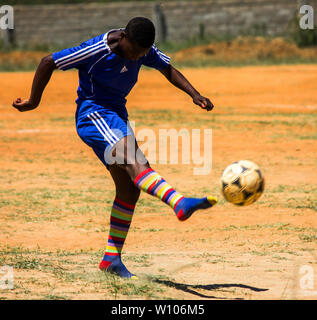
240 51
246 50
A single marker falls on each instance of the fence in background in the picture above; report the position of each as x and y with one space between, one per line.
174 20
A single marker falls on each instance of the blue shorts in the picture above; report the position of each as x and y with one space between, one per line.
100 128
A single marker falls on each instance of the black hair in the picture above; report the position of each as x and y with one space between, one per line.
141 31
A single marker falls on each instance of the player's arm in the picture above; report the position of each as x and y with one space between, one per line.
178 80
41 78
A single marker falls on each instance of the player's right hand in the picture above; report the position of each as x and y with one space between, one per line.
23 105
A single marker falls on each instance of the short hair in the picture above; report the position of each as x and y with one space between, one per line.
141 31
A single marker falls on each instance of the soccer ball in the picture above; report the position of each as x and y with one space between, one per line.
242 183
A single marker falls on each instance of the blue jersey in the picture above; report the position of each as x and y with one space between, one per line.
104 77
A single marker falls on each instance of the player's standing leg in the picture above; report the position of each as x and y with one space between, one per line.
120 219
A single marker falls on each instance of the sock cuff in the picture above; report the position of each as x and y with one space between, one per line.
124 204
141 175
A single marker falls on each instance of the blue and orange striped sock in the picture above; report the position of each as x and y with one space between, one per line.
120 220
152 183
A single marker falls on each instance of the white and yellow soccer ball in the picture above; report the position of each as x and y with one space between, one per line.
242 183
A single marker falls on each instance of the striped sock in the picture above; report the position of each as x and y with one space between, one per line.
120 220
152 183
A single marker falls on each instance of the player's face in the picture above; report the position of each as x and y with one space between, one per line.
132 51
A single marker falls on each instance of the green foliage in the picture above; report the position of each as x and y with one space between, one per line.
303 38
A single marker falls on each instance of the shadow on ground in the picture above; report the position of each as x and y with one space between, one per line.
189 288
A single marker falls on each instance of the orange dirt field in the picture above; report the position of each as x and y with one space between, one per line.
55 195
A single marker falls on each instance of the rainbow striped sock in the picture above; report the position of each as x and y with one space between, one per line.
120 220
152 183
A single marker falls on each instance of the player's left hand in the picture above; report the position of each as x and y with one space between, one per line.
203 102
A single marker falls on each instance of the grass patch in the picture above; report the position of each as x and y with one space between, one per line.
308 237
238 63
45 204
55 297
153 230
144 287
150 118
279 226
294 189
38 273
309 137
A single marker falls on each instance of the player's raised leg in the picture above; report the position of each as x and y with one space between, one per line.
127 195
146 179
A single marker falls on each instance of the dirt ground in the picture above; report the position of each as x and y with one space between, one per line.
55 195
